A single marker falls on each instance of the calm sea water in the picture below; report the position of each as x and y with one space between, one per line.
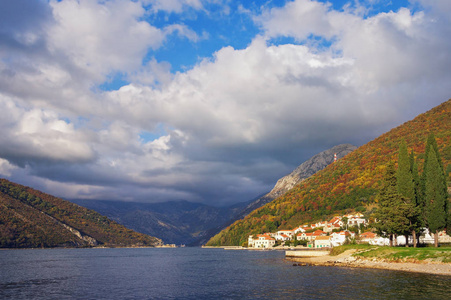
194 273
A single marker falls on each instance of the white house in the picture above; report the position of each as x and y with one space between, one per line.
336 221
356 221
299 229
262 241
330 227
339 238
428 238
368 237
322 242
282 237
289 233
310 236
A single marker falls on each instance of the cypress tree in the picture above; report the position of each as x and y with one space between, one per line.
404 177
416 179
406 188
430 142
420 208
435 195
390 215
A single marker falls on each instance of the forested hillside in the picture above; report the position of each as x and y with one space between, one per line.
175 222
30 218
351 183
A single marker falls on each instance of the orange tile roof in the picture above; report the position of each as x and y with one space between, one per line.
368 234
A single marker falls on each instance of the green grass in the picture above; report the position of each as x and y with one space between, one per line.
442 254
343 248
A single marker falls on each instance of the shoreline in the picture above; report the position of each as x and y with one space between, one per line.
346 259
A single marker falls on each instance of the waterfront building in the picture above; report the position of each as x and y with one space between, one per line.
262 241
322 242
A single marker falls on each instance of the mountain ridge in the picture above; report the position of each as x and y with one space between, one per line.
175 222
32 219
193 224
299 174
351 183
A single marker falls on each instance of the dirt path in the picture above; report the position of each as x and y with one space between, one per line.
346 259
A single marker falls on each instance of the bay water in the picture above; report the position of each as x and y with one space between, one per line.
196 273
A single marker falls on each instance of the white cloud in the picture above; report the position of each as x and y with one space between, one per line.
233 123
40 135
298 19
184 31
176 6
153 73
6 168
102 37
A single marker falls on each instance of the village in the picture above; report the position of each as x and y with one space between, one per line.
336 232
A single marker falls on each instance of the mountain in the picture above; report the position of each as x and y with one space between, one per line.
175 222
284 184
350 184
193 224
302 172
32 219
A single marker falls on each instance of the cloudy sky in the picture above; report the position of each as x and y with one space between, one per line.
206 100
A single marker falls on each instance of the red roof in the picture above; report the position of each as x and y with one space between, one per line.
335 219
368 234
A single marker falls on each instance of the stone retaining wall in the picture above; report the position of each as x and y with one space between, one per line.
306 253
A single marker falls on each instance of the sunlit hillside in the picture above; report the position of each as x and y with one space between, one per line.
31 219
351 183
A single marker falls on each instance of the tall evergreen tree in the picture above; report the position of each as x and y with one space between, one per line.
429 142
406 188
435 195
415 177
418 203
393 211
404 177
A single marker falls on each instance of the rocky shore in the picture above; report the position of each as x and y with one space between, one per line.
347 260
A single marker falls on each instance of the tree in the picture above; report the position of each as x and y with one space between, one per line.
345 222
406 188
435 195
388 202
431 143
404 177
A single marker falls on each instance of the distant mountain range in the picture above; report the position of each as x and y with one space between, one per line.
32 219
193 224
175 222
352 183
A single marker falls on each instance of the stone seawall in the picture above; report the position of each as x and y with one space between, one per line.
306 253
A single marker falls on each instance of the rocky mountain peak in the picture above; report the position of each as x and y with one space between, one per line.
302 172
308 168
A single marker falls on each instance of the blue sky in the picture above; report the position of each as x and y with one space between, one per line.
218 27
206 100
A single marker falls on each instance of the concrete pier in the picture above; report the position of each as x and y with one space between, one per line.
306 253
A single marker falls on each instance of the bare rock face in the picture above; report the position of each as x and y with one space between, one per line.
304 171
308 168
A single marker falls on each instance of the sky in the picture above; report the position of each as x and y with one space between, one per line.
208 101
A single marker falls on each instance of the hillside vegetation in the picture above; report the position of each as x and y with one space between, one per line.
352 183
31 219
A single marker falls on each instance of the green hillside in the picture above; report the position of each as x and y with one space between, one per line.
350 184
31 219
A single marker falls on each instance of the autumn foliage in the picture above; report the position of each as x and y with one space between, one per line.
30 218
351 183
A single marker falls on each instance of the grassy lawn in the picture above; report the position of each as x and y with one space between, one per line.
441 254
341 249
